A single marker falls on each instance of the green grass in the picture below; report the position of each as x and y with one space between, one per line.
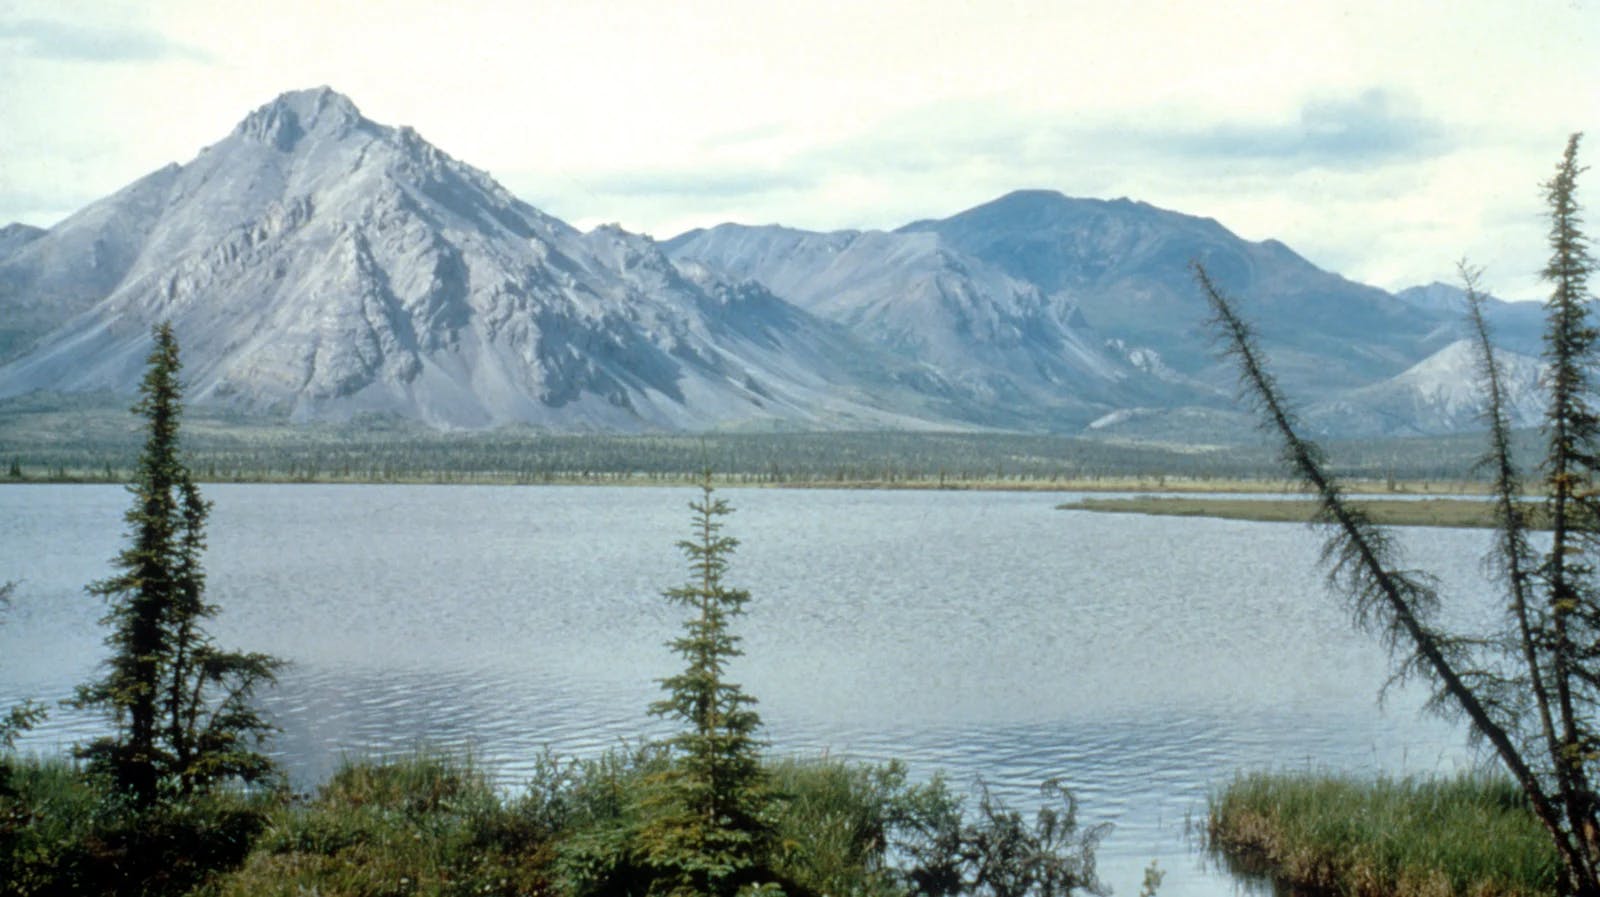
435 824
838 821
1468 836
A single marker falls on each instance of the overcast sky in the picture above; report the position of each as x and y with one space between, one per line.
1383 143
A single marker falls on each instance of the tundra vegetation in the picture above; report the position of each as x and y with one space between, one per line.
78 439
1528 690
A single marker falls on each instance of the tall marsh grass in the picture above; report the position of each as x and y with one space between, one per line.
1467 836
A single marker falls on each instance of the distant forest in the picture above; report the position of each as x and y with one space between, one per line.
62 438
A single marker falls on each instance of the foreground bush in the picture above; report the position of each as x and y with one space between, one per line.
840 829
1471 836
65 833
425 824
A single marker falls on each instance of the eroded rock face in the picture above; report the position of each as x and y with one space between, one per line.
321 264
999 338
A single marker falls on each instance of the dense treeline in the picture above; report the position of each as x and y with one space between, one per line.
88 443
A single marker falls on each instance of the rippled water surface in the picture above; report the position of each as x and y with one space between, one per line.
1141 659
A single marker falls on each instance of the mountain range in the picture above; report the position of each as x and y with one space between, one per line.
320 266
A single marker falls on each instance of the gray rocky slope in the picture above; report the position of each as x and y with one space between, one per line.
998 339
1101 282
318 264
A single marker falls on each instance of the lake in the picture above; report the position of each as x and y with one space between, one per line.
986 635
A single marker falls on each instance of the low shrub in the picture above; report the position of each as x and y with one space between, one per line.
426 824
63 832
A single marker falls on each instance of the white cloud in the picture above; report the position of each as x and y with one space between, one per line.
1380 139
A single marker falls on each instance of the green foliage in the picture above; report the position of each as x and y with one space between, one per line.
63 832
1567 628
180 706
595 810
434 824
838 828
998 854
835 825
19 719
1383 837
708 827
425 824
1153 875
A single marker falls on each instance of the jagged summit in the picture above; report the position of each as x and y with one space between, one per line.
321 265
284 121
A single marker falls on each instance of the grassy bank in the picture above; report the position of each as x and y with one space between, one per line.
1392 512
1462 837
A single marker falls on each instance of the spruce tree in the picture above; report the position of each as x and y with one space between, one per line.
1531 690
1572 455
180 707
709 827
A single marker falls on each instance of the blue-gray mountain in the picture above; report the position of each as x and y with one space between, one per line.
1111 281
317 264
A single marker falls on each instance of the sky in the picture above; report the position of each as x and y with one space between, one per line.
1384 140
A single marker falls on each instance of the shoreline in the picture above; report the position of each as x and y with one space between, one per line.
1470 513
1153 485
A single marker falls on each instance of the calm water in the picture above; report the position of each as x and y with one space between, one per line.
1141 659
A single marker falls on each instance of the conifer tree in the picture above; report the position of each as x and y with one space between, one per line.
1531 691
1572 455
180 706
709 828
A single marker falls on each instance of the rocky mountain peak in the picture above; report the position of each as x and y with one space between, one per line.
321 265
285 121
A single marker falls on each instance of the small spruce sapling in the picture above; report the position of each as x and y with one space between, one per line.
710 826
